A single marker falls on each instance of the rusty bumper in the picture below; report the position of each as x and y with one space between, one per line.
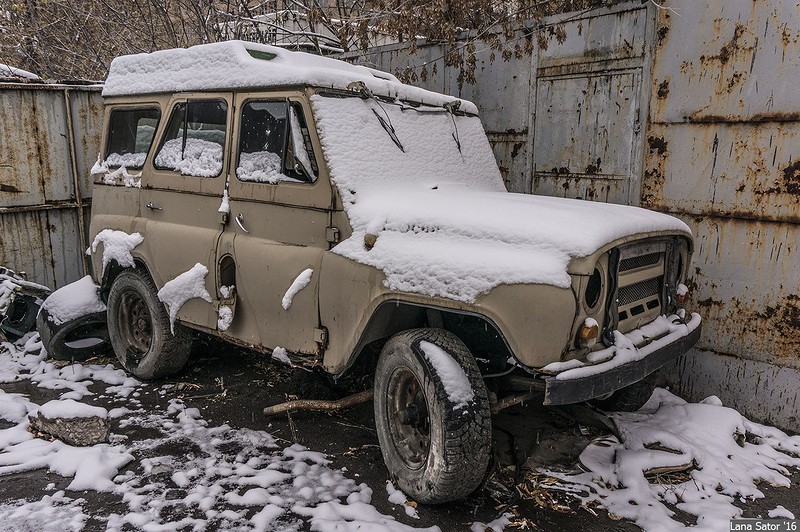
568 391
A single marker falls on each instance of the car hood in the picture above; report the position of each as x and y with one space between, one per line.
456 242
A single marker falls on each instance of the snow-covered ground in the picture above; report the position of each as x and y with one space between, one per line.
182 472
214 478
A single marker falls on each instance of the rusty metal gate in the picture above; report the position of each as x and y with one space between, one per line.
49 139
690 110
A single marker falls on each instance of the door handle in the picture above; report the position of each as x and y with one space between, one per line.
239 220
152 207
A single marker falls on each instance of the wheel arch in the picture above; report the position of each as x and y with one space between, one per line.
479 333
112 271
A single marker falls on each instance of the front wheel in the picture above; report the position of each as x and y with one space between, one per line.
139 328
432 415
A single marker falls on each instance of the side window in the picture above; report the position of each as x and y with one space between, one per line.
194 140
274 144
130 134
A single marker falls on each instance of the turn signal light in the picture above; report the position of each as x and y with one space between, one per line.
681 294
588 333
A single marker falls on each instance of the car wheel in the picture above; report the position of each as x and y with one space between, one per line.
630 398
139 328
76 340
436 450
20 316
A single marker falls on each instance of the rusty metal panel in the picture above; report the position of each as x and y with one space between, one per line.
25 244
600 35
744 170
42 225
586 130
729 60
746 284
511 152
766 392
87 117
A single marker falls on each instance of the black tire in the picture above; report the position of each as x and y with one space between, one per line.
20 317
630 398
434 452
139 328
76 340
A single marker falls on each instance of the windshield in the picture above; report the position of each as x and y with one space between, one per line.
372 144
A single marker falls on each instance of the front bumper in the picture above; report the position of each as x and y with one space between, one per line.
579 389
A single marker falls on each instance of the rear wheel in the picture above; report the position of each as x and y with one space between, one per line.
139 328
436 444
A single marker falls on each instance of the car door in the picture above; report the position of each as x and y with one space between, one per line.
181 194
279 218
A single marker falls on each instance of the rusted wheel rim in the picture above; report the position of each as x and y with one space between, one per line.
135 324
408 418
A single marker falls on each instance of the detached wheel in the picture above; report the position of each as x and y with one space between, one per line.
138 325
76 340
432 415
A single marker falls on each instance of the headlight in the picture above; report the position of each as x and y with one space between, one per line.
593 289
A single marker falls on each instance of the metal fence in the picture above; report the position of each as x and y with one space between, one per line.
49 139
690 110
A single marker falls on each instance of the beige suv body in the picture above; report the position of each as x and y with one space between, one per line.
311 209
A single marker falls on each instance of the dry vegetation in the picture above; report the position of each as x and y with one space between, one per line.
68 39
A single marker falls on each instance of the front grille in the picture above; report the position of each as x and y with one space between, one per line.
640 284
633 263
637 292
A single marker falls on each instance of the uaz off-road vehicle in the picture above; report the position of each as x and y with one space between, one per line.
319 211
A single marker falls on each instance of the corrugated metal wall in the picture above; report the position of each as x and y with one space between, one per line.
690 110
724 155
49 139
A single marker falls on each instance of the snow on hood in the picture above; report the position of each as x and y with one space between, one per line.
445 224
240 64
458 243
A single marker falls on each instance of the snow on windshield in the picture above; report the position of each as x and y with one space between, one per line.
361 154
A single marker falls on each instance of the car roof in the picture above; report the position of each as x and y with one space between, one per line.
233 65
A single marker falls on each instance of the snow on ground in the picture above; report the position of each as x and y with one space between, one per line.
189 474
73 301
396 496
726 456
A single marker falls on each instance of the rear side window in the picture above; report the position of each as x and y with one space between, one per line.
130 134
194 140
274 144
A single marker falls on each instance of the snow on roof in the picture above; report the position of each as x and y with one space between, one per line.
7 71
240 64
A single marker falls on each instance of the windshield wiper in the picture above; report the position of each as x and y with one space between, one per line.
387 126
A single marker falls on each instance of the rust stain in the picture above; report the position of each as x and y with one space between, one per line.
662 32
594 168
663 89
657 144
791 178
515 150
